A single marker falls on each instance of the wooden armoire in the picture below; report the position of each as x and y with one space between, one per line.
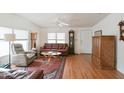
104 52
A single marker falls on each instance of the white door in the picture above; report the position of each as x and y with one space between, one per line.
85 41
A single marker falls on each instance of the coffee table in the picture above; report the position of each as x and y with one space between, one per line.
50 54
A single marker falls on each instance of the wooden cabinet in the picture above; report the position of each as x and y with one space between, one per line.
104 52
33 39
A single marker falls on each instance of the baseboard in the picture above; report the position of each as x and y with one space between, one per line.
86 53
81 53
77 54
119 70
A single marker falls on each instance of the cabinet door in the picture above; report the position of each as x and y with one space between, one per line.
96 61
96 46
99 47
108 51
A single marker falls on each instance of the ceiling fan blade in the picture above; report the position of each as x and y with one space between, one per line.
61 23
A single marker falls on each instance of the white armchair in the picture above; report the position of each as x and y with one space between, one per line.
20 57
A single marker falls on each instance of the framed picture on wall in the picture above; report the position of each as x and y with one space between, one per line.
98 33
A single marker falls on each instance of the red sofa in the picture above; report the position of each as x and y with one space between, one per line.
63 48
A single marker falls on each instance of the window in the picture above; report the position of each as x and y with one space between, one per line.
60 37
21 37
56 37
4 45
51 37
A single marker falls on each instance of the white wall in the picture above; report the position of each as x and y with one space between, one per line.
17 22
86 41
109 26
77 30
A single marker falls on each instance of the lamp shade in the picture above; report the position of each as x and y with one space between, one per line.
9 37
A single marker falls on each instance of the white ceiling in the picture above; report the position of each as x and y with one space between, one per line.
73 19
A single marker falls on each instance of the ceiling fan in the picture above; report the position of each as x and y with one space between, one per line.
61 23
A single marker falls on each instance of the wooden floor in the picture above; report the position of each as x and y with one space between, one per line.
81 67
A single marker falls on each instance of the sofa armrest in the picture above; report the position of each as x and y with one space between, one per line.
66 51
42 47
30 51
66 48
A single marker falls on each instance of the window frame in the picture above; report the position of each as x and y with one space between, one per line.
12 32
27 40
2 39
56 39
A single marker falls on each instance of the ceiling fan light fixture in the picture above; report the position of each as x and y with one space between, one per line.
62 24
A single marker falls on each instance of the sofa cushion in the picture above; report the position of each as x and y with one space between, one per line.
60 46
63 47
45 49
47 46
54 46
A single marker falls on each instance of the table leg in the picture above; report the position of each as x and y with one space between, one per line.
49 58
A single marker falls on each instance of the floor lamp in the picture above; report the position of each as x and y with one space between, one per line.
9 38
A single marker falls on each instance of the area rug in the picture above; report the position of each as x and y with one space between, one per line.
52 69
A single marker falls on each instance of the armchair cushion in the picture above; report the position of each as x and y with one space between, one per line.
17 49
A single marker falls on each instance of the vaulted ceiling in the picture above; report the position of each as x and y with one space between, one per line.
64 19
